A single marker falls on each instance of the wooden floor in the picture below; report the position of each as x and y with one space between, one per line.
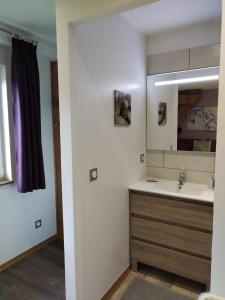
172 282
38 277
41 277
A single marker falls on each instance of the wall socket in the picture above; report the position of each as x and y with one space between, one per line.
38 223
142 158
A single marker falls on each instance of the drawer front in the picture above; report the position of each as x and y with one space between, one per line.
191 267
194 215
179 238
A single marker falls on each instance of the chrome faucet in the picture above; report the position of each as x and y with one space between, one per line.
181 178
211 182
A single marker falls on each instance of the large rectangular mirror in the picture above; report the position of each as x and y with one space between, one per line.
182 110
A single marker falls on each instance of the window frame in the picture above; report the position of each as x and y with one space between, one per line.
5 134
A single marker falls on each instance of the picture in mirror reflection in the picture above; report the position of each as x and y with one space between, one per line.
182 110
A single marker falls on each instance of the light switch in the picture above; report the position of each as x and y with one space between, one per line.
142 158
93 174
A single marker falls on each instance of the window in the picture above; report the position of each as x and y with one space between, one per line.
5 151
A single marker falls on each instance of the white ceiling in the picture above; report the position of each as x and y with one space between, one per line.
35 16
167 15
38 16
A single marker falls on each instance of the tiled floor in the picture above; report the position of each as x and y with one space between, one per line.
172 282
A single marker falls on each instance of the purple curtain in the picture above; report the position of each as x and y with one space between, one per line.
27 117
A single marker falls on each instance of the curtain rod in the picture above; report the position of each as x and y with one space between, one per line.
19 36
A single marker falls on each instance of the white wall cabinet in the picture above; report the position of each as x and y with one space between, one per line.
186 59
205 56
168 62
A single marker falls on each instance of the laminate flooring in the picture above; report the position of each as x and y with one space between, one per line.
41 276
37 277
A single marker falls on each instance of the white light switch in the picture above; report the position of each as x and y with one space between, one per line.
142 158
93 174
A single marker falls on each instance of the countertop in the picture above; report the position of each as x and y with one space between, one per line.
192 191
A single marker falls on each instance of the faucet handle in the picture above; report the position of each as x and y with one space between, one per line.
182 175
182 178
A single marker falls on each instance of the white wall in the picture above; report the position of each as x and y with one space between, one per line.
193 36
105 55
18 212
199 167
2 171
67 12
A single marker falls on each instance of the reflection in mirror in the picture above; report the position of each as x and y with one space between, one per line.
182 110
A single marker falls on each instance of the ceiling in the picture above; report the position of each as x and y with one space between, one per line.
167 15
34 16
38 16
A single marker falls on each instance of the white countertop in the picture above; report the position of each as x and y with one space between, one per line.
192 191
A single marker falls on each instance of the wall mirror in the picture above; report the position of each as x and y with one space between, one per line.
182 110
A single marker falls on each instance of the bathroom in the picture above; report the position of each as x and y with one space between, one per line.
114 54
139 130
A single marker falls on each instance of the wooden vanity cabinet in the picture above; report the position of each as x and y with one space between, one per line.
171 234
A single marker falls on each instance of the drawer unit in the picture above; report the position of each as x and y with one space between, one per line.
171 234
179 238
181 212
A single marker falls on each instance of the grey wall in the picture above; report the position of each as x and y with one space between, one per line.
18 212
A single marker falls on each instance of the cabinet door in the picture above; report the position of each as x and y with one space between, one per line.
168 62
161 137
205 56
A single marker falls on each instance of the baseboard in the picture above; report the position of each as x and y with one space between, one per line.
27 253
116 284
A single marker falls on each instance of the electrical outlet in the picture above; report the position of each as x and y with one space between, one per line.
142 158
93 174
38 223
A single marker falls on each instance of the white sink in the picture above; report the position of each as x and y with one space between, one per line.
186 188
171 188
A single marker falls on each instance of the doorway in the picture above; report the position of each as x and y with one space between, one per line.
57 149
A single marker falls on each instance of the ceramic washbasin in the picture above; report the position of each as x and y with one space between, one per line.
186 188
171 188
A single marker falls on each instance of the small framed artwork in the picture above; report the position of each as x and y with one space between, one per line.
122 108
162 113
202 118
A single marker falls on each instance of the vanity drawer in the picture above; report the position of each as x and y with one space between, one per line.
175 237
185 265
194 215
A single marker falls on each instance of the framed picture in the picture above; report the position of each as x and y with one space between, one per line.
162 113
122 108
202 118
